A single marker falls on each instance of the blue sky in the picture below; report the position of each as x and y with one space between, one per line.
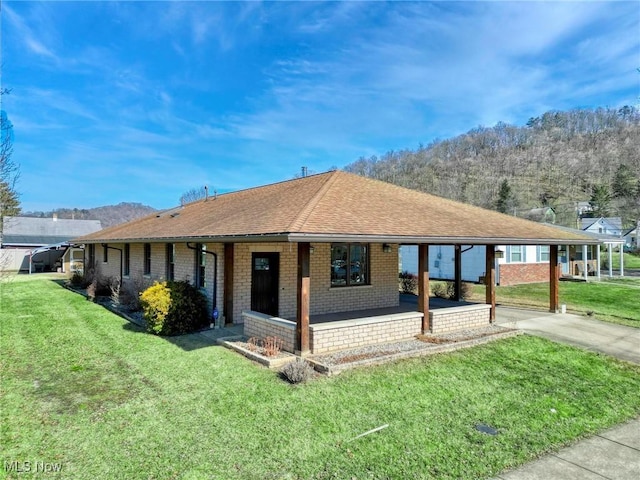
141 101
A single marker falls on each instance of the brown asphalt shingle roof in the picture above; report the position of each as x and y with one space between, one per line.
333 206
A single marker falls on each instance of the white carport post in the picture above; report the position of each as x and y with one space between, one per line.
609 247
598 260
585 263
621 260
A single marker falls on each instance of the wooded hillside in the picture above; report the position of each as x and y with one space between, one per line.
108 215
556 160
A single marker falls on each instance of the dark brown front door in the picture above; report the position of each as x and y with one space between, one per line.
265 275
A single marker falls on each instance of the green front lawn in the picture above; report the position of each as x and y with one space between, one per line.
614 300
84 388
630 260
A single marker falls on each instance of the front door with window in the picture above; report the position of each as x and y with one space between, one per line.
265 274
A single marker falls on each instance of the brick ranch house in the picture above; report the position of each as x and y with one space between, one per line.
314 260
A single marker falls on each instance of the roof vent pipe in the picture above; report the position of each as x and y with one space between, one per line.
206 193
304 172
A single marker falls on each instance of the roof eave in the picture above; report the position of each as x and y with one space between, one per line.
346 237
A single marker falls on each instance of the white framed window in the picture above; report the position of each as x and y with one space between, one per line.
515 253
543 253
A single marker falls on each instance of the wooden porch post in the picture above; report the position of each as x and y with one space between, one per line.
554 278
423 285
302 308
227 302
490 280
458 272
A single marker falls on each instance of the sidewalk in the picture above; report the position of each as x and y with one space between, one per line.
613 454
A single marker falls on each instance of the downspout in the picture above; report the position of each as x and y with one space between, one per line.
121 263
214 311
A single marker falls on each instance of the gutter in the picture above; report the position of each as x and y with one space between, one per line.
214 311
346 237
121 262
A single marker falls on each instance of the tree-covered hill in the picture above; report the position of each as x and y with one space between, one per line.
108 215
556 160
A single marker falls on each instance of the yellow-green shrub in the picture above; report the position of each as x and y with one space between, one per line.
174 308
155 302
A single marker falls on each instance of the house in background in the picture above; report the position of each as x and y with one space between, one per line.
631 238
314 261
514 265
43 243
541 214
518 264
604 225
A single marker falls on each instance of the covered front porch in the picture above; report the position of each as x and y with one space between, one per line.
412 315
342 330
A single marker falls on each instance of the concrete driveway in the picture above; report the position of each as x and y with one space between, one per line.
616 340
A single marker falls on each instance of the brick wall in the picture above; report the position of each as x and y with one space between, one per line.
261 326
184 266
382 291
447 320
516 273
242 277
326 337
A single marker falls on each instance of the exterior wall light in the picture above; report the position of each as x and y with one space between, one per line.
499 253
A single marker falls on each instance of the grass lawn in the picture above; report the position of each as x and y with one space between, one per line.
630 260
614 300
84 388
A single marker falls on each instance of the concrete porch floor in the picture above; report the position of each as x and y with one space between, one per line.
408 303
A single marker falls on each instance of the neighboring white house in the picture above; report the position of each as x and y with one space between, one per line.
604 225
519 263
41 242
630 238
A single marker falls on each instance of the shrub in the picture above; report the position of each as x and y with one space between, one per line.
174 308
155 302
297 372
253 344
271 346
441 290
77 280
131 290
408 282
447 290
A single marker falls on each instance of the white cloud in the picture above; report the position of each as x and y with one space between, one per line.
24 33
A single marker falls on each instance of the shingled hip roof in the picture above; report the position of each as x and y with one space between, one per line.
333 206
